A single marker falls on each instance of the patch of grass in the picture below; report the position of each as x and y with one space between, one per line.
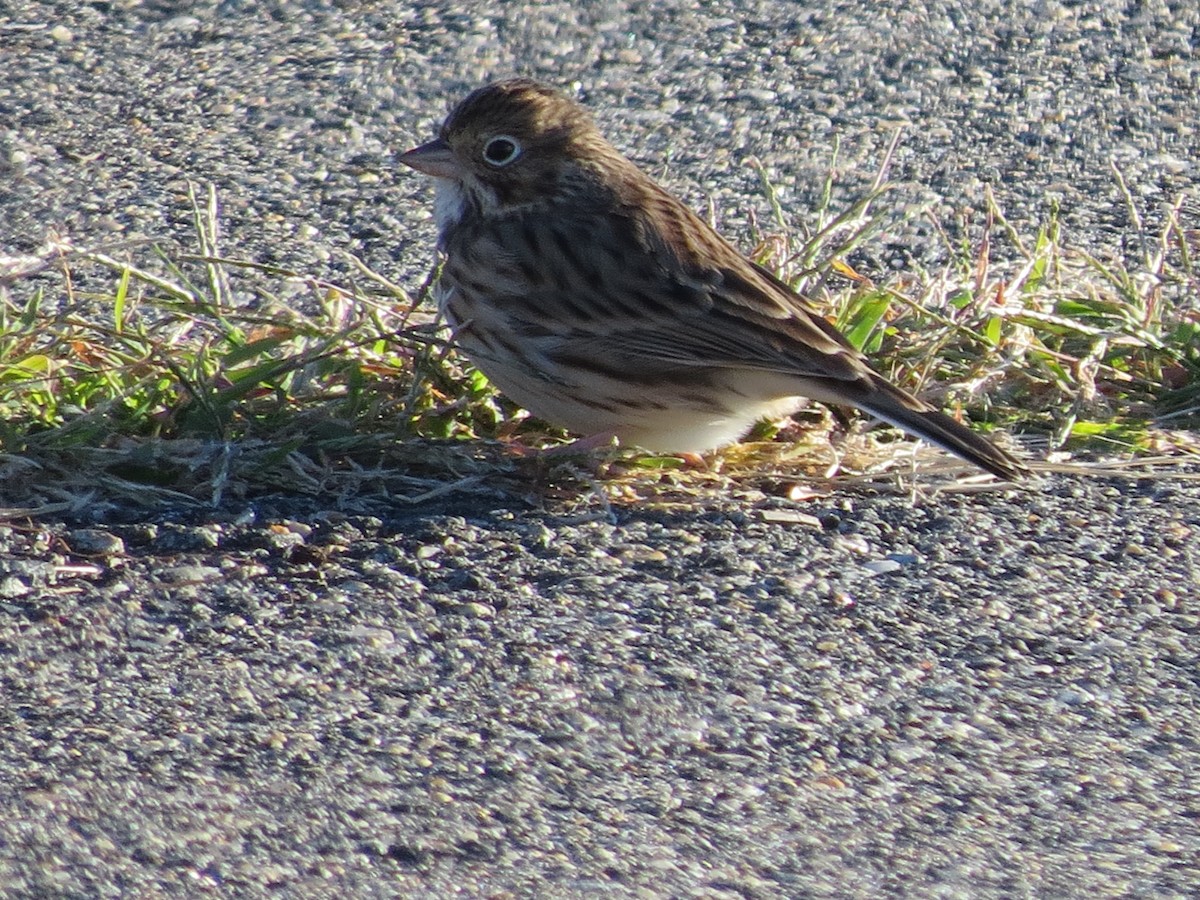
207 376
204 377
1089 352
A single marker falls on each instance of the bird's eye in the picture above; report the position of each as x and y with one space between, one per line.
502 150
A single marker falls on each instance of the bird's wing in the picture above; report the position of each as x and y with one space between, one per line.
660 288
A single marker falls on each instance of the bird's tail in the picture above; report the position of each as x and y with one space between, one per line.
921 420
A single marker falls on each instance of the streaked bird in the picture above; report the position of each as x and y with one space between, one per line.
601 303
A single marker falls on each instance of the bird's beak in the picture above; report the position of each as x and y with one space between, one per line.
435 158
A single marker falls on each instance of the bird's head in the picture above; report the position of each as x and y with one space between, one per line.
510 145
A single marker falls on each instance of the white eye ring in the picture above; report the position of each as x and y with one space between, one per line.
501 150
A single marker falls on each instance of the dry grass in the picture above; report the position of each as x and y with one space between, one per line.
206 378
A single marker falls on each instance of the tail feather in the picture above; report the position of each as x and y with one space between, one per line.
921 420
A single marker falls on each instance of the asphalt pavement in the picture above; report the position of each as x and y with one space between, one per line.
865 694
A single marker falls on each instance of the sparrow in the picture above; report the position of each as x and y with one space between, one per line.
597 300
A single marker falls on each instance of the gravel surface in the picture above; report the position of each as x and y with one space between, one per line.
295 110
989 695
